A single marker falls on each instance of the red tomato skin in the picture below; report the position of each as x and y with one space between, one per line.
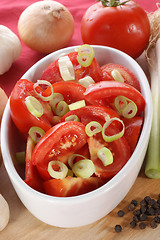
69 134
124 27
104 93
120 150
52 73
92 113
128 76
72 186
132 130
32 177
71 91
21 116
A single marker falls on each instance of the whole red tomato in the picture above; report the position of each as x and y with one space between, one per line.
120 25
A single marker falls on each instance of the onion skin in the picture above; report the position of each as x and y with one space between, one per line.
46 26
3 101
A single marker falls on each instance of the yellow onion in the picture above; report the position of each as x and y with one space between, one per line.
46 26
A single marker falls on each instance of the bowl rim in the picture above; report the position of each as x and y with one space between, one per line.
13 174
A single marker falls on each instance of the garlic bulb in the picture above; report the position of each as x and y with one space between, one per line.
4 213
46 26
10 48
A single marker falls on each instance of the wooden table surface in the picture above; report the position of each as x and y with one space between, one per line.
24 226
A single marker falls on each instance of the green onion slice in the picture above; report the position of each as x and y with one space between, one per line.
62 108
72 118
85 55
56 98
113 137
120 103
93 128
130 110
105 155
76 105
66 68
72 157
36 133
43 82
86 81
126 107
34 106
84 168
61 173
117 75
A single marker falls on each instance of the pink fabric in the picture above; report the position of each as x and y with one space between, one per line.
10 11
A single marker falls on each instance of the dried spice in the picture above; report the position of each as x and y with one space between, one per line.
118 228
146 214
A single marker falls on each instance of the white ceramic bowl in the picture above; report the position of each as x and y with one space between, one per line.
90 207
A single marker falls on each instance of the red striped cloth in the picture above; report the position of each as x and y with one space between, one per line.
9 14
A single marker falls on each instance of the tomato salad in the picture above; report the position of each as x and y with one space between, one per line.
81 123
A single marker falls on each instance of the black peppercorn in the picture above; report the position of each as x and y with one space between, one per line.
135 219
142 225
131 207
150 211
118 228
147 199
133 224
153 224
134 202
137 212
143 217
157 219
120 213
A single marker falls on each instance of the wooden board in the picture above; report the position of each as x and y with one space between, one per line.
24 226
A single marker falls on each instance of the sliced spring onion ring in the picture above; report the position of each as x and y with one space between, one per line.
85 55
105 155
86 81
56 98
93 128
126 107
62 108
117 75
113 137
76 105
66 68
84 168
61 173
130 110
36 133
72 157
34 106
44 82
120 103
72 118
20 157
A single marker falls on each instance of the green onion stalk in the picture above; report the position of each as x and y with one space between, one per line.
152 166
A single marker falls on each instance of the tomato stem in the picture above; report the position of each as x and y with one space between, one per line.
112 3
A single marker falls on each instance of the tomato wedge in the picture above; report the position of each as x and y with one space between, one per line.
20 114
92 113
104 93
120 150
52 73
59 142
132 130
32 177
72 186
127 75
71 91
